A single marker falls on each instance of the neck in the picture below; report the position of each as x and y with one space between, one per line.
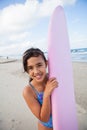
40 86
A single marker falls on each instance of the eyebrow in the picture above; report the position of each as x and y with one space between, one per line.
35 64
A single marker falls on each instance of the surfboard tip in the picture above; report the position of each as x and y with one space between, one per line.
59 8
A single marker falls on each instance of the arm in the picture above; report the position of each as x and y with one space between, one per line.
46 107
41 112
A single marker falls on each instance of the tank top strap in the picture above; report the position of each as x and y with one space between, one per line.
33 88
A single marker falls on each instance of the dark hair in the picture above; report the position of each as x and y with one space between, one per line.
32 52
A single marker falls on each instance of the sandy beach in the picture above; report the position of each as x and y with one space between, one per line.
14 113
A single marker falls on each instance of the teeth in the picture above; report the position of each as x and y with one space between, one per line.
38 76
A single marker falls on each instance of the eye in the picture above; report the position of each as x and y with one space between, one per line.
29 68
39 65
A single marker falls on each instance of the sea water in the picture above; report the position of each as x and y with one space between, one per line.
77 55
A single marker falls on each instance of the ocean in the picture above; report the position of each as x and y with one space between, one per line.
77 55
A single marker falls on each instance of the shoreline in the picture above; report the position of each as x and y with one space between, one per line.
10 59
7 60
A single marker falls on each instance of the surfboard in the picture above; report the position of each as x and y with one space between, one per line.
60 66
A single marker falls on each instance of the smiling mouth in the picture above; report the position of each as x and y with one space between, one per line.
38 77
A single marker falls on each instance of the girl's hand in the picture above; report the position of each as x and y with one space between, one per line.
50 86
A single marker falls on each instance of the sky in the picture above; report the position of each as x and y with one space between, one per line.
24 24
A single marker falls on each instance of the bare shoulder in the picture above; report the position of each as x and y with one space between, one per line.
27 91
29 95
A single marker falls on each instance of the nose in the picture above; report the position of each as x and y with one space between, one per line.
36 70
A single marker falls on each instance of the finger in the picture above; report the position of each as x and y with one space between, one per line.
52 79
55 84
55 81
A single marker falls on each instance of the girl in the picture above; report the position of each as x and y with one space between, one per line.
37 93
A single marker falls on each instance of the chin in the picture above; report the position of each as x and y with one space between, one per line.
40 81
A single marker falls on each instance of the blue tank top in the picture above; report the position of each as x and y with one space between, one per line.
40 100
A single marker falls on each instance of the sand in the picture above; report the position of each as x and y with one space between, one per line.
14 113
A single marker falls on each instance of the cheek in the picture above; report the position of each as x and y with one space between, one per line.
44 69
30 73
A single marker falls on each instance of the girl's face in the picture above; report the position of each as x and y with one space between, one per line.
36 68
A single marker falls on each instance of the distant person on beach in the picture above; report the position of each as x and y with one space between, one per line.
7 57
37 93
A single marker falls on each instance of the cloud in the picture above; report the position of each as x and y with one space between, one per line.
48 6
78 40
15 49
22 16
18 17
16 21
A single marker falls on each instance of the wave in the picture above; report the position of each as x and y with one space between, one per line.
79 55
